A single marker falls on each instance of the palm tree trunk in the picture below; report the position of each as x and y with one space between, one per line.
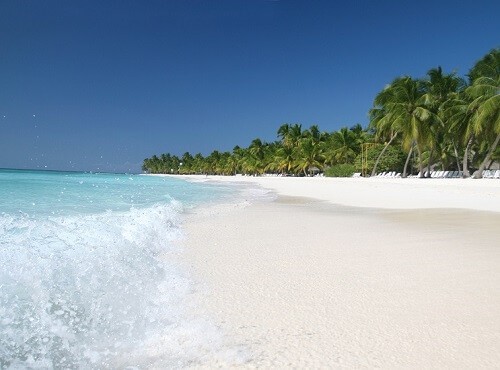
406 163
430 163
374 171
456 155
489 166
465 169
479 173
420 163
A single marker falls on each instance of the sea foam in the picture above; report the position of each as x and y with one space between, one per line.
96 291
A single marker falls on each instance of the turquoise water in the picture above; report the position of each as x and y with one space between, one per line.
84 281
40 193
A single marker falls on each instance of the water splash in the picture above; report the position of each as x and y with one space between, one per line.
91 291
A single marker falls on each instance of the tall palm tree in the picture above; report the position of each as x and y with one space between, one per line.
459 111
485 89
439 88
402 108
382 123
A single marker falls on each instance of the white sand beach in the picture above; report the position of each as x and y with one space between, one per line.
353 273
395 193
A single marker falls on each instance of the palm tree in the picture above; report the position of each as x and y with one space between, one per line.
238 155
384 130
439 88
252 165
283 160
344 146
290 135
187 162
485 89
309 155
152 165
295 134
284 134
198 163
212 162
459 111
315 134
362 136
402 108
257 148
166 163
226 165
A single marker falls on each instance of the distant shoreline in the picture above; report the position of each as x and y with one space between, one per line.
388 193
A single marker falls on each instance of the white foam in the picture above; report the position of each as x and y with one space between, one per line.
91 291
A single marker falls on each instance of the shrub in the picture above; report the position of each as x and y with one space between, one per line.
340 170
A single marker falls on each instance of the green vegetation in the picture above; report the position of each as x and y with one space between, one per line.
442 122
341 170
393 159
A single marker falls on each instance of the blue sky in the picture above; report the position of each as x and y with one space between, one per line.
101 85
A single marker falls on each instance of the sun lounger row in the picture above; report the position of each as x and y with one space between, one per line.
389 174
487 174
491 174
434 174
445 174
442 174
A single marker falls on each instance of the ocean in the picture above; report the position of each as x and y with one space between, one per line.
84 282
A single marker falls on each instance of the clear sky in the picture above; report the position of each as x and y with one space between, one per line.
101 85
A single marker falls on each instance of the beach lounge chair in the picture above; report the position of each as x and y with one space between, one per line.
488 174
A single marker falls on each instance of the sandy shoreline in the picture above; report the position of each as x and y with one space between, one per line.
397 193
305 283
